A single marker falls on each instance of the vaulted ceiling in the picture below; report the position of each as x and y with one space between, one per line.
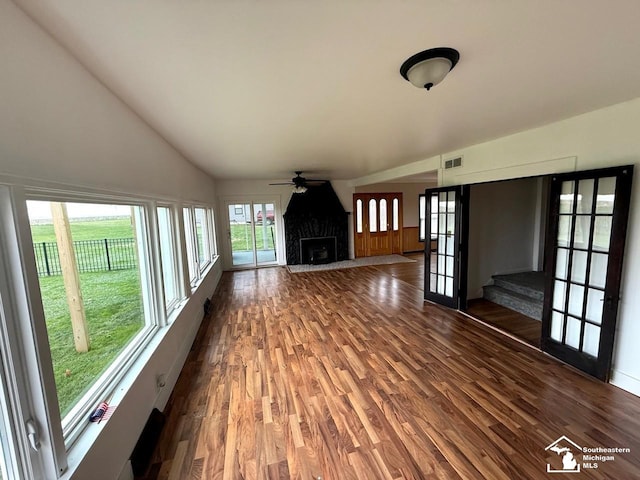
258 89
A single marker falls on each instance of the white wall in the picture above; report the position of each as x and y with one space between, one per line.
58 124
597 139
252 190
410 193
501 230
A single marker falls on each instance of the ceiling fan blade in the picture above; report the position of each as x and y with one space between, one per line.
285 183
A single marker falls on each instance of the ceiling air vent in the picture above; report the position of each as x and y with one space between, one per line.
453 163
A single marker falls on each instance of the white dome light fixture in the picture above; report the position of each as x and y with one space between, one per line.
427 69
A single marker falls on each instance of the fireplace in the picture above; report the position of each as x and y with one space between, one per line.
318 250
315 215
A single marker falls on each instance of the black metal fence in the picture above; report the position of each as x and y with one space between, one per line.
91 255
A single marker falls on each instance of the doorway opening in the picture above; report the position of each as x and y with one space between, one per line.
505 276
542 249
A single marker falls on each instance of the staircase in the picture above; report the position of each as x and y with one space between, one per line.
522 292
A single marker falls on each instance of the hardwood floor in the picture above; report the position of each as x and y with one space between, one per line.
349 375
504 319
523 327
411 273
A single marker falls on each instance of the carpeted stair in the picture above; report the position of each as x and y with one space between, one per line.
522 292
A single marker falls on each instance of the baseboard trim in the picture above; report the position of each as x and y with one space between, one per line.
625 382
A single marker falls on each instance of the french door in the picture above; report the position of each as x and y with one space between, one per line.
447 225
252 234
583 265
377 223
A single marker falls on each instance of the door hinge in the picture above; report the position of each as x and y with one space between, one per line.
32 434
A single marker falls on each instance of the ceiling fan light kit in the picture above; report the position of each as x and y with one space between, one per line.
300 183
428 68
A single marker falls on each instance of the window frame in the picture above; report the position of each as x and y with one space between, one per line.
206 242
74 422
28 390
191 250
213 241
422 220
170 306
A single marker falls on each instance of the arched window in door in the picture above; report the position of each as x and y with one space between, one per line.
373 216
359 216
383 215
396 213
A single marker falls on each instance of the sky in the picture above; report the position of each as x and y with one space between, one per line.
39 210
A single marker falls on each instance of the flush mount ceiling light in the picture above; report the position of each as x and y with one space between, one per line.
427 69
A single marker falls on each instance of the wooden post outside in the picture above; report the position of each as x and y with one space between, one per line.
70 276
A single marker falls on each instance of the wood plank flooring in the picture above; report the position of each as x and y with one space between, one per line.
349 375
523 327
411 273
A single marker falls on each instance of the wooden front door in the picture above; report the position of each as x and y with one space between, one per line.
377 223
584 252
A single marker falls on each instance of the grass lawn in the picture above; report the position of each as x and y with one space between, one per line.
113 307
86 230
241 237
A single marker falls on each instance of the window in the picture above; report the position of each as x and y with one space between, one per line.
170 275
238 210
383 215
80 300
202 238
192 252
396 215
422 216
93 268
373 216
212 232
358 216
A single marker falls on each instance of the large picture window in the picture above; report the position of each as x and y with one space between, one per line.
92 265
83 281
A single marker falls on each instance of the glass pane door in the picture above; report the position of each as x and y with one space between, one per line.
588 225
252 233
265 232
444 225
241 233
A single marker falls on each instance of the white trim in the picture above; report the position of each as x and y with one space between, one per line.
127 471
178 295
532 169
625 382
32 364
275 200
32 183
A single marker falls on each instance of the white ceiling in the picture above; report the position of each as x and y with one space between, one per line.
258 89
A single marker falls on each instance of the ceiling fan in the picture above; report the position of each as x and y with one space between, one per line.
300 183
